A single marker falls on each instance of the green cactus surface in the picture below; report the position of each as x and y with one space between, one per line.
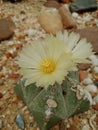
50 106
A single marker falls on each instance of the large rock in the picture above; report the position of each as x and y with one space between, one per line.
6 29
83 5
51 21
91 34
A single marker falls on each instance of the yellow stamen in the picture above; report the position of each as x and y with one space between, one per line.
48 66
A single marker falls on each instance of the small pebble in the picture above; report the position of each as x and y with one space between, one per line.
82 75
94 60
75 15
31 32
15 99
19 121
20 105
10 42
91 88
95 99
96 69
87 81
95 107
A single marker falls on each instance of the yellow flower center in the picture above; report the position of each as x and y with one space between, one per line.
48 66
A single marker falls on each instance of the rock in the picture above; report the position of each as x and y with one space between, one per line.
52 3
91 34
83 66
67 19
51 21
95 99
91 88
95 107
82 75
19 121
6 29
87 81
83 5
94 60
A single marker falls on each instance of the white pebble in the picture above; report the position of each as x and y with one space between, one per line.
79 21
87 81
86 127
12 50
91 88
75 15
87 18
94 60
96 69
95 99
31 32
93 57
10 43
66 6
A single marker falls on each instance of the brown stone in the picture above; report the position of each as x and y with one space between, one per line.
95 107
67 19
91 34
51 21
52 3
83 66
82 75
6 29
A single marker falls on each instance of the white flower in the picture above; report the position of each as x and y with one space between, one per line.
44 62
80 50
48 61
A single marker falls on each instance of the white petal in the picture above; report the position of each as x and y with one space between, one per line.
72 41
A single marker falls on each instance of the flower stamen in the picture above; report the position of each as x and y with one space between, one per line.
48 66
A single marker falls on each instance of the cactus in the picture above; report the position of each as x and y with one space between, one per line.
50 106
